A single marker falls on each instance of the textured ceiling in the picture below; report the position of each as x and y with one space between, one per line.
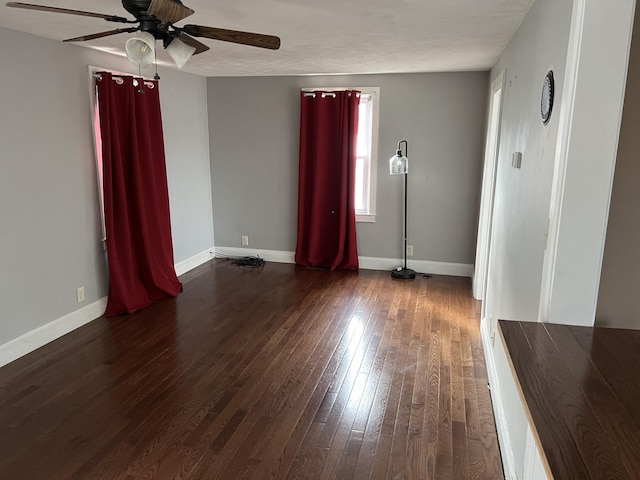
330 37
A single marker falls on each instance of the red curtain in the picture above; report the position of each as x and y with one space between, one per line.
136 198
326 200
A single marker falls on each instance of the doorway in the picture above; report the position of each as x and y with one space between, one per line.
488 190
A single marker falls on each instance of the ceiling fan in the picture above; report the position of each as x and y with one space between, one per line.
155 20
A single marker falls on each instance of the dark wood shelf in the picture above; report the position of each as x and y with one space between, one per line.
582 392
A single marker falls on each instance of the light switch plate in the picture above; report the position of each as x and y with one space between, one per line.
516 160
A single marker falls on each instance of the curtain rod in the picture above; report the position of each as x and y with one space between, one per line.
118 79
326 94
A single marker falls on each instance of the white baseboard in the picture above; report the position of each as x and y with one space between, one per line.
193 262
366 263
506 448
30 341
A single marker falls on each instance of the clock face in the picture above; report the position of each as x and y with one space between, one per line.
546 99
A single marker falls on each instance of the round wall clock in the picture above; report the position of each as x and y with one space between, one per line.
546 99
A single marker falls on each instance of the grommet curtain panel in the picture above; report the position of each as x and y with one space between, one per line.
136 197
326 201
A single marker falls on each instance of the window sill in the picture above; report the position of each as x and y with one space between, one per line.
365 218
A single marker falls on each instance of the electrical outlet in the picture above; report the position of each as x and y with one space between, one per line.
80 294
409 250
245 240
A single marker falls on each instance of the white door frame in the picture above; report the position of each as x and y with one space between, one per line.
492 150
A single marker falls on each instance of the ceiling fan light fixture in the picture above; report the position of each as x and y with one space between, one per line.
180 52
154 20
141 49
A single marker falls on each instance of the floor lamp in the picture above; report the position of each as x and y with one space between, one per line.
399 165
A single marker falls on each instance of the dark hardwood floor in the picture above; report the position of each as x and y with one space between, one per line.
279 372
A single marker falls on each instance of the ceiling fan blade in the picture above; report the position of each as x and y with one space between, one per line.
170 11
101 34
199 46
234 36
44 8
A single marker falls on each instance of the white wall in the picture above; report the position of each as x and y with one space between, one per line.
49 214
254 156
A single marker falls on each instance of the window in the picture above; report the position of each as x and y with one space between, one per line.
366 161
367 155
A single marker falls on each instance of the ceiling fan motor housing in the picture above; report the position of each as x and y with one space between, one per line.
148 23
137 8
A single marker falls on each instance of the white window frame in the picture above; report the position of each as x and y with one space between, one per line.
368 216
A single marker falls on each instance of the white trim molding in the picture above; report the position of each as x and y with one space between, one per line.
366 263
491 155
195 261
502 426
30 341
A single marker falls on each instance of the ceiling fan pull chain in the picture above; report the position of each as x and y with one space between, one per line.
156 76
141 82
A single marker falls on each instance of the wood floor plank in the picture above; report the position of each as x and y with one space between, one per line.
373 428
281 372
460 450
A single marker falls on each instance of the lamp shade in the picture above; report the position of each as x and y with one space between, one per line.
398 164
141 49
180 52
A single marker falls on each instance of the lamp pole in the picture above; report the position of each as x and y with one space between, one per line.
403 272
406 183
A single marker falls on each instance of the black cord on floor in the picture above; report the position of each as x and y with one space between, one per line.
248 262
425 275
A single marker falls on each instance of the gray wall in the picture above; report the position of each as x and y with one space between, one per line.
522 196
620 278
49 214
254 138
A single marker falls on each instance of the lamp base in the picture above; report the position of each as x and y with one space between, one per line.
404 273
